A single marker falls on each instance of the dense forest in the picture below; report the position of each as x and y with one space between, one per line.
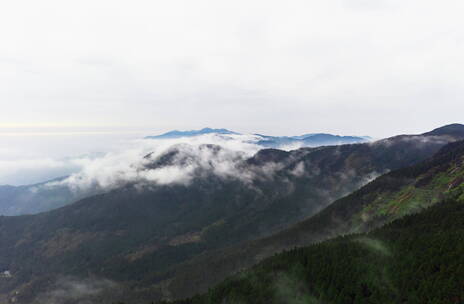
396 194
416 259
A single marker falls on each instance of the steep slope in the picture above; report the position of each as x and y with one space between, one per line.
389 197
136 233
417 259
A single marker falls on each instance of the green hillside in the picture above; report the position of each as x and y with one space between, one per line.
416 259
387 198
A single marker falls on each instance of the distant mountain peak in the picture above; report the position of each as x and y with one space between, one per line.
266 141
191 133
211 130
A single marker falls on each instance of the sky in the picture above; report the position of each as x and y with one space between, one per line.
79 76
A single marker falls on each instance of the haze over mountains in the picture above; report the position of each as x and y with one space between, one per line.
101 173
278 142
179 134
174 207
215 152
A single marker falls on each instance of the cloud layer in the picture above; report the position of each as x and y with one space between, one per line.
164 162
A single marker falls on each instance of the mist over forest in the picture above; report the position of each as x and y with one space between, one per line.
204 152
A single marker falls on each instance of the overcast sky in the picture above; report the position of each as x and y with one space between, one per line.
361 67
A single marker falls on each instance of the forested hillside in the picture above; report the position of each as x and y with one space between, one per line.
416 259
389 197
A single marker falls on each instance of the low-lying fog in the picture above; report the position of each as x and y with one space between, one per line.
30 157
33 157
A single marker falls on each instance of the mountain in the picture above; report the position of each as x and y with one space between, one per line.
452 129
36 198
143 236
416 259
396 194
32 199
191 133
307 140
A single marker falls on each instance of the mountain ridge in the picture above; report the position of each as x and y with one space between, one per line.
355 213
266 141
137 236
31 199
190 133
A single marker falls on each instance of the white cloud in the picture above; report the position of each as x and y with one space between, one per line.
37 158
193 157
